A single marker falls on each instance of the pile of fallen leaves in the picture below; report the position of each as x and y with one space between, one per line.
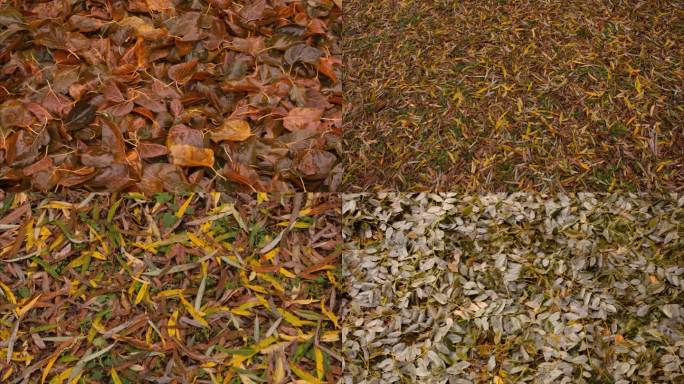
170 95
513 288
199 288
509 95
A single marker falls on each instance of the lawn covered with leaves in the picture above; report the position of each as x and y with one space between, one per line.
197 288
513 288
170 95
508 95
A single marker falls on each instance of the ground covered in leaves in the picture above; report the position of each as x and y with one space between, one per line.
170 95
447 288
187 289
507 95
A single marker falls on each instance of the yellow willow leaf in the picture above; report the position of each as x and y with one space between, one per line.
22 311
275 283
330 315
264 343
198 242
171 324
330 336
77 262
298 224
115 377
498 380
8 293
58 242
148 247
287 273
29 235
294 320
249 304
271 254
241 312
48 367
319 362
637 85
59 379
261 197
501 121
262 300
7 373
302 337
198 316
170 293
303 301
309 378
256 288
97 235
275 347
142 292
279 370
331 277
57 205
98 255
184 207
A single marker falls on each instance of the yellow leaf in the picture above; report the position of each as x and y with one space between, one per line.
273 281
115 377
8 293
287 273
142 292
319 362
171 324
8 373
170 293
261 197
184 206
48 367
279 370
303 374
22 311
198 316
331 277
294 320
57 205
271 254
330 315
198 242
59 379
330 336
498 380
256 288
501 121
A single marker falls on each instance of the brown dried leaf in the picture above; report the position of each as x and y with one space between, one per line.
302 118
232 130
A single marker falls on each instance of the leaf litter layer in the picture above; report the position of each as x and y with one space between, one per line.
170 95
513 288
200 288
508 95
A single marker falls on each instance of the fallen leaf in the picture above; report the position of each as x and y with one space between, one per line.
232 130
